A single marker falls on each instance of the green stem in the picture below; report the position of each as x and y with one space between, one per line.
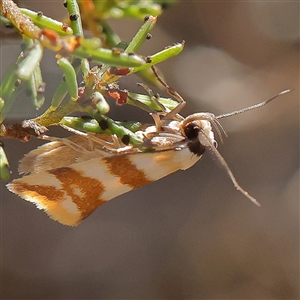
75 17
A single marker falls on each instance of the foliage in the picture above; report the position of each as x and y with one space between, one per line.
75 53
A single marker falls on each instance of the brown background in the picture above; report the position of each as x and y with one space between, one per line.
190 235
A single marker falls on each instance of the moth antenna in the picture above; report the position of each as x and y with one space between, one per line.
224 165
236 112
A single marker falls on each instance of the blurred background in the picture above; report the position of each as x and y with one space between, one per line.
190 235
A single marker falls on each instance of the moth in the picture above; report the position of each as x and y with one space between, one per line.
69 178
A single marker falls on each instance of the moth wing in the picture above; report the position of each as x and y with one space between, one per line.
56 154
71 193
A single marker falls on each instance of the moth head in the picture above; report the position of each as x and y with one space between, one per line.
197 129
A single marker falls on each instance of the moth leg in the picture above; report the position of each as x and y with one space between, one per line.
154 98
66 141
140 104
157 121
113 146
173 114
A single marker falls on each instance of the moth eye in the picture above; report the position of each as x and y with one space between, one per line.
191 131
